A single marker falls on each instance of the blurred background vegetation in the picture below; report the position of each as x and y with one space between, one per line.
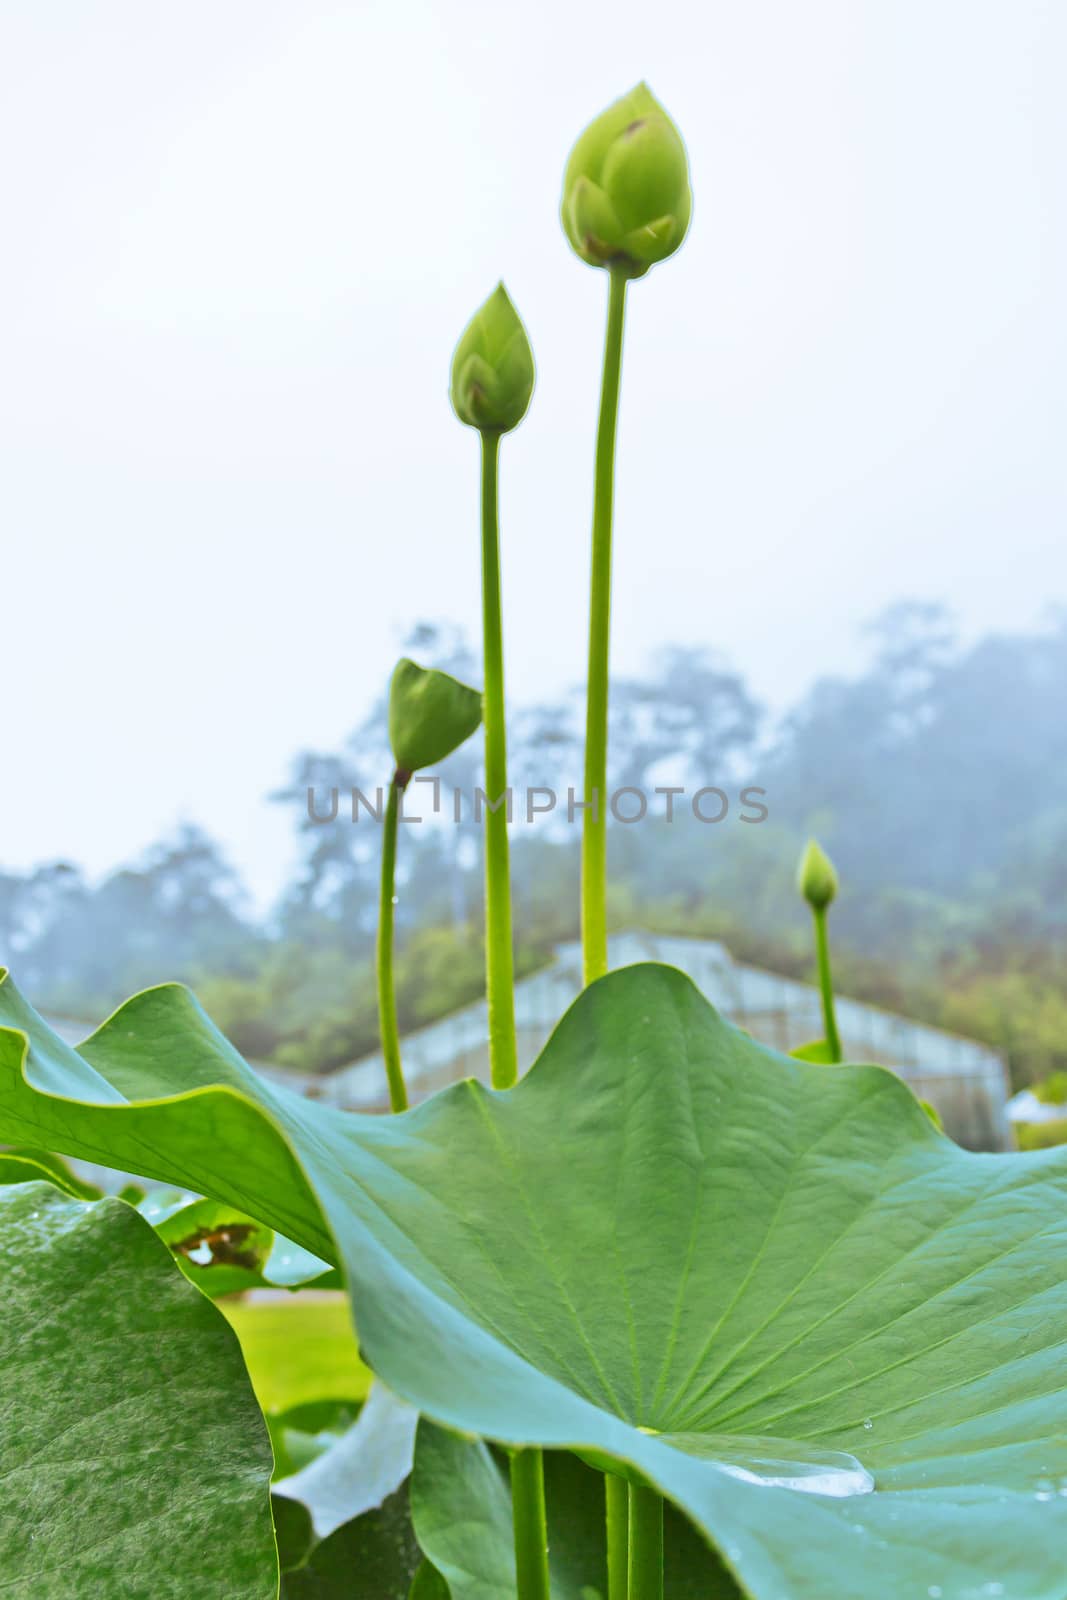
936 778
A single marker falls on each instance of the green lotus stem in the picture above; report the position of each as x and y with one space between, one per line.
530 1525
826 984
617 1500
594 818
527 1466
499 961
646 1544
387 1024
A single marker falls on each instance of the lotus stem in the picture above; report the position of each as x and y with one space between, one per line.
617 1501
530 1525
826 984
387 1024
646 1544
527 1466
499 960
594 796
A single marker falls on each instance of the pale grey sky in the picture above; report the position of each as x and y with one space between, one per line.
241 240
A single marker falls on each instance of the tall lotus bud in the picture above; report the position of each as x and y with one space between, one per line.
493 368
816 878
626 195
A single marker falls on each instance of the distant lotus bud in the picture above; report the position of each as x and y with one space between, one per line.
626 195
430 715
493 368
816 878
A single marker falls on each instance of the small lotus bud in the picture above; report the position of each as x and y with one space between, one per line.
626 195
430 715
493 368
816 878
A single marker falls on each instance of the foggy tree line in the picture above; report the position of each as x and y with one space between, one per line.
936 777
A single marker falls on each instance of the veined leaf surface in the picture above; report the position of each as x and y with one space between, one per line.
133 1457
669 1247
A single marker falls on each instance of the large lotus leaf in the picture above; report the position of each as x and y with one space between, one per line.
293 1531
665 1226
133 1458
30 1166
356 1537
461 1509
372 1557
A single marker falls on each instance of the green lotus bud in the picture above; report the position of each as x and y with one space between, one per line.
430 715
816 878
493 368
626 195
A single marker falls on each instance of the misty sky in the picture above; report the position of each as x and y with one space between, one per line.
241 240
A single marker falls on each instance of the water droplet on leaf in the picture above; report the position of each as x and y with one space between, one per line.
778 1463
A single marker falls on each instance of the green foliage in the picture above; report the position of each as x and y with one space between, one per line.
1041 1135
225 1252
1052 1091
1009 994
858 1269
429 1584
764 1294
26 1166
373 1557
219 1248
430 715
133 1458
326 1011
962 927
293 1531
179 909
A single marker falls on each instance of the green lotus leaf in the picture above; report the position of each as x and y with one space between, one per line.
351 1490
223 1251
429 1584
372 1557
220 1249
758 1284
35 1166
430 715
461 1509
293 1531
820 1051
133 1457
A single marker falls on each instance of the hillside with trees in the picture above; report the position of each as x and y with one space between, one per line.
936 778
